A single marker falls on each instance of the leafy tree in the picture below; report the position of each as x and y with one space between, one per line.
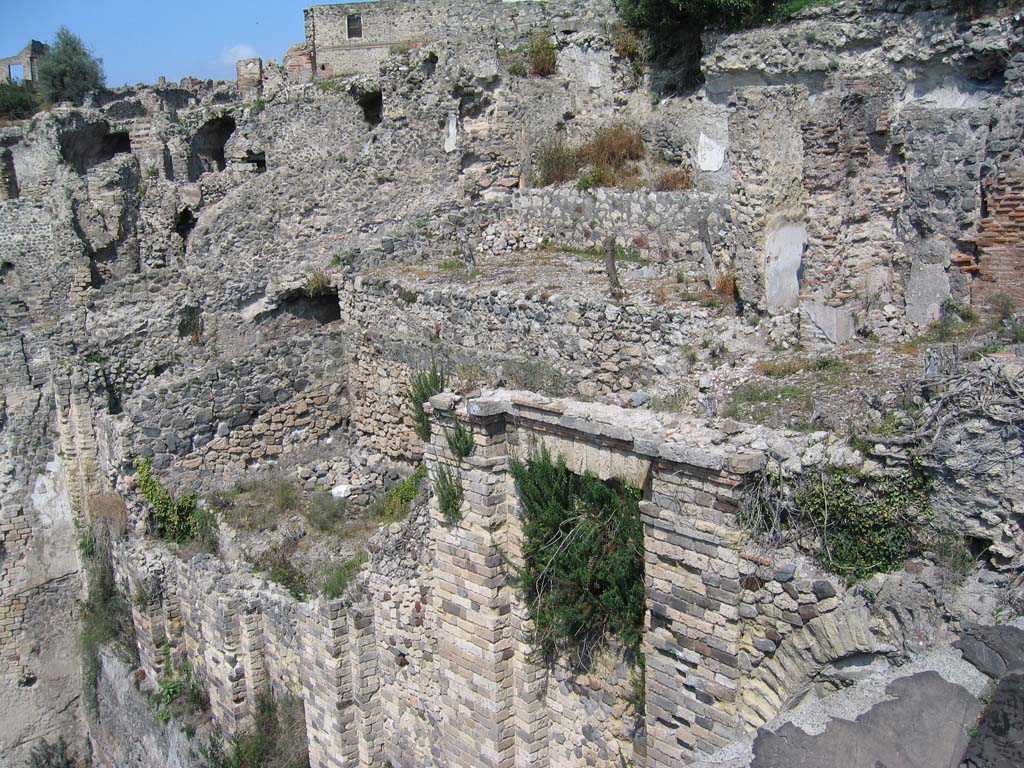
69 71
17 101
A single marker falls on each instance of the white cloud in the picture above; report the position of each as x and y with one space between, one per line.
229 56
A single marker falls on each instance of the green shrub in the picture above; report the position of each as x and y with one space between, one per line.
277 738
284 496
423 385
55 755
105 620
449 264
86 542
556 164
280 568
179 694
460 440
324 512
541 54
1006 317
854 525
517 67
583 556
318 283
17 101
178 520
394 505
338 578
448 490
69 72
591 176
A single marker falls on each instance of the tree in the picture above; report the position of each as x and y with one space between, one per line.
69 71
17 101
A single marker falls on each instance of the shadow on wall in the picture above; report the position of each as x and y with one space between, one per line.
322 308
86 147
207 147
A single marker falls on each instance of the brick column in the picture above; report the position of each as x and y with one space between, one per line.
225 669
365 684
691 643
472 600
328 687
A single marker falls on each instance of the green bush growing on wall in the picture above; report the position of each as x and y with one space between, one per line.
423 385
178 520
394 505
854 525
448 490
583 557
460 440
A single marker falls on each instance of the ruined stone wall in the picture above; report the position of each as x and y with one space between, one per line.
675 227
40 504
836 212
222 420
382 25
390 25
612 346
430 661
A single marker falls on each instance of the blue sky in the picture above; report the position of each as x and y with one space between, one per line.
142 39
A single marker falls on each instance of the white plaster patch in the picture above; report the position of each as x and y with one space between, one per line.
710 154
451 138
54 543
784 252
927 288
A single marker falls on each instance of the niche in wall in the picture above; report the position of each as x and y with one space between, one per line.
87 146
207 147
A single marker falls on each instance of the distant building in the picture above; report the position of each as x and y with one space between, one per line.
24 65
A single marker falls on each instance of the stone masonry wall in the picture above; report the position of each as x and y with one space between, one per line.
430 661
391 24
674 226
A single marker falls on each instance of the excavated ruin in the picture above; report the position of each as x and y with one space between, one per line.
273 352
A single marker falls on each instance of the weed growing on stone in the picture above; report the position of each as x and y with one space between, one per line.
537 377
179 693
674 180
105 621
854 525
324 512
277 738
541 55
423 385
604 161
278 564
460 440
748 396
339 577
448 490
55 754
395 504
318 283
1007 320
174 519
583 557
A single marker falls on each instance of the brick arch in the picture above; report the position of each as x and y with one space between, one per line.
774 684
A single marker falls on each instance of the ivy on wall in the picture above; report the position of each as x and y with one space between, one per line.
854 525
173 519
